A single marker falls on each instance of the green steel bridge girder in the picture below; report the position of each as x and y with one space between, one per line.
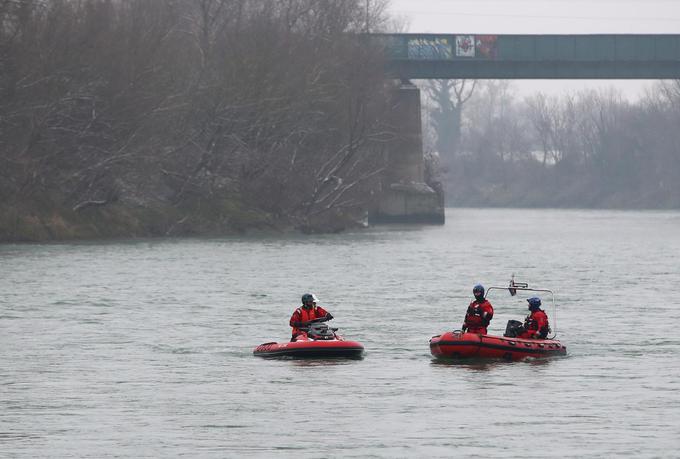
480 56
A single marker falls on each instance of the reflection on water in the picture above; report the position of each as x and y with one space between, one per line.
327 362
145 348
489 364
470 364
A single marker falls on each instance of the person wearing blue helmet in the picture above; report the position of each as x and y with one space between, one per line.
536 324
479 312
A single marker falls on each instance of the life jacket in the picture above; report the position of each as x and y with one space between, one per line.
303 315
536 325
478 316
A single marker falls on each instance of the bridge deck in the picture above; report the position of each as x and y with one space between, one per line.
531 56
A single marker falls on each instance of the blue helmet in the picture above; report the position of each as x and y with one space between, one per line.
478 291
534 303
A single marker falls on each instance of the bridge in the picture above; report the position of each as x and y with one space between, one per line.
413 56
405 197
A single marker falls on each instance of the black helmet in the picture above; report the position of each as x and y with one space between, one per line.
307 297
478 291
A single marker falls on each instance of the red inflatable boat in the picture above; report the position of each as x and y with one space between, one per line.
306 349
320 342
471 345
458 344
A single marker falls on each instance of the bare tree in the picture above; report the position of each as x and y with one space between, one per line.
201 111
448 98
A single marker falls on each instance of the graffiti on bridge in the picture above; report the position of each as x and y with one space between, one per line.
459 46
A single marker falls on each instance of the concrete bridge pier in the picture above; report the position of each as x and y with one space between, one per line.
404 196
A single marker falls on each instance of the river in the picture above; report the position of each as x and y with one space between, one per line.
144 348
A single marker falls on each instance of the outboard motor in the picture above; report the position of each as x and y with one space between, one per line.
513 329
320 330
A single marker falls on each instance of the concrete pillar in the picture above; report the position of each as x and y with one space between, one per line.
406 149
404 196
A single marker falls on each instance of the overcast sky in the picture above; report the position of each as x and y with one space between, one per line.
544 17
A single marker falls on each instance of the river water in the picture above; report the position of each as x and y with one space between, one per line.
144 348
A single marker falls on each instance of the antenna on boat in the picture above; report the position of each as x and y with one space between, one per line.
512 288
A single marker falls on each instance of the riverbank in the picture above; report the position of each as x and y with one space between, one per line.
529 195
47 222
42 223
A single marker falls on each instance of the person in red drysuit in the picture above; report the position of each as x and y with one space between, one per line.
479 313
536 324
307 313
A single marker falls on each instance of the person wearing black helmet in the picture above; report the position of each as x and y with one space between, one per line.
536 324
307 313
479 312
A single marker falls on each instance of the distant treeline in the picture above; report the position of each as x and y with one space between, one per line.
167 117
588 149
